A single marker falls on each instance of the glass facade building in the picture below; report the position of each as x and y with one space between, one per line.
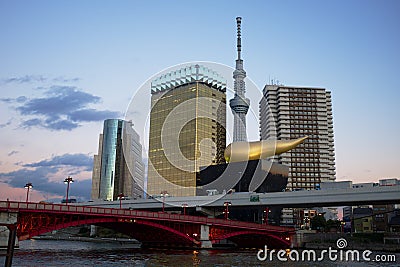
187 128
118 167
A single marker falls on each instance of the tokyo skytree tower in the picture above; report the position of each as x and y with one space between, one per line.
239 104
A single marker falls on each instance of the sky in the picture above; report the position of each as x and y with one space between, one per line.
65 66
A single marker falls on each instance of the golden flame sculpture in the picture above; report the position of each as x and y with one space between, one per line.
244 151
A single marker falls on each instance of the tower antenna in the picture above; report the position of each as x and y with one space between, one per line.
239 39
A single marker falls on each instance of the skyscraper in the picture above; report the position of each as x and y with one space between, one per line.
239 104
288 112
187 128
118 167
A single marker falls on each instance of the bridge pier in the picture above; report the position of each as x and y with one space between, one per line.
9 220
93 230
11 244
205 236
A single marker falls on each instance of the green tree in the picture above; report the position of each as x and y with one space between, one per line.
318 223
331 224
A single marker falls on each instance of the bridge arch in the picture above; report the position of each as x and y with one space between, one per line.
42 227
277 239
170 230
158 233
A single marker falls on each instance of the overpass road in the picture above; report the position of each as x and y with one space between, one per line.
304 199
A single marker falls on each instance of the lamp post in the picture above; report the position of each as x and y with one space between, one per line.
163 194
120 197
342 224
28 186
67 181
227 204
184 206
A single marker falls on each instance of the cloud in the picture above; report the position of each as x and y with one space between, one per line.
12 153
39 173
61 108
40 181
92 115
7 100
65 80
19 99
5 124
56 125
39 78
25 79
59 100
76 160
20 177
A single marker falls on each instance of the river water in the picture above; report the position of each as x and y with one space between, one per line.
50 253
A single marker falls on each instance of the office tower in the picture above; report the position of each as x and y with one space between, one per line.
239 104
288 112
118 167
187 128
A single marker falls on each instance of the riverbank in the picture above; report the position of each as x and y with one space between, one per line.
361 241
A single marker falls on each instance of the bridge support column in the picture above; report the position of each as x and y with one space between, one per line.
93 230
205 236
9 220
6 219
11 244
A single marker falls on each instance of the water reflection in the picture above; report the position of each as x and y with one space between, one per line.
77 253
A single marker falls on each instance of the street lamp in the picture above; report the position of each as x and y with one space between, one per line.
28 186
163 194
184 206
227 204
342 224
120 197
67 181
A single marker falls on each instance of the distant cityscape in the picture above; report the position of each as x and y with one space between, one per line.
187 139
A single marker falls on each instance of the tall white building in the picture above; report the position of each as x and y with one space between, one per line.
288 112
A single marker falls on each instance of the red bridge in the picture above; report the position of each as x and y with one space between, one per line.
150 228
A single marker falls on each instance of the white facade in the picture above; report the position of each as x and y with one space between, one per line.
288 112
134 160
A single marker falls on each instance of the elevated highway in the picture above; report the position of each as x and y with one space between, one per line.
303 199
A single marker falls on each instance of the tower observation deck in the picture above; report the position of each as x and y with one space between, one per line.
239 104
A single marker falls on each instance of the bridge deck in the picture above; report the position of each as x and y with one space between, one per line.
11 206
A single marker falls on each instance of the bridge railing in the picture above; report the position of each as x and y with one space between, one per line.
129 214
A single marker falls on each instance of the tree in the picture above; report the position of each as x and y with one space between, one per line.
318 222
331 224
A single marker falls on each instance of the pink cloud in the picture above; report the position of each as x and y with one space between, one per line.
19 194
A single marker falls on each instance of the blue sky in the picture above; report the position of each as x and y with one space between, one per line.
67 65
